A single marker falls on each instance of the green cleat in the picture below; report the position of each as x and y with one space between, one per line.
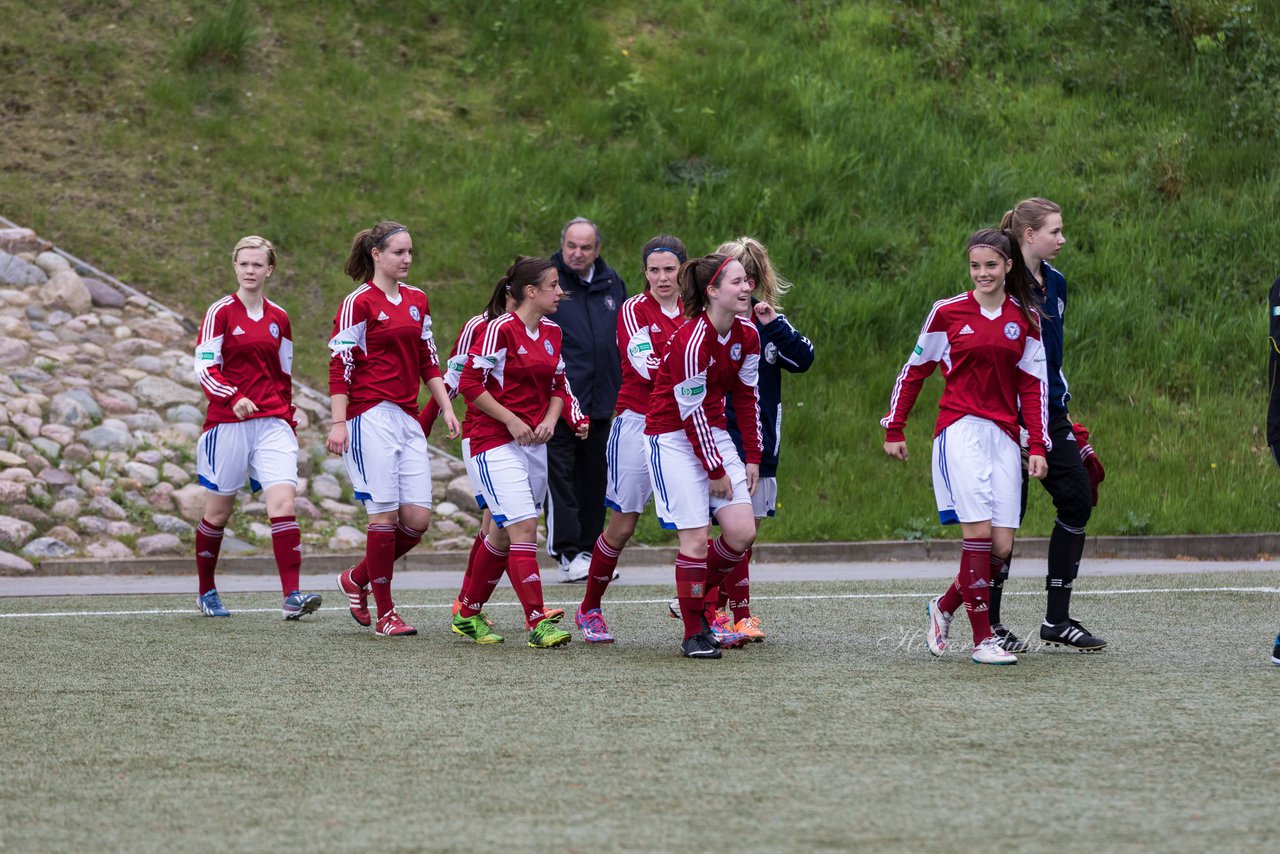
546 635
476 629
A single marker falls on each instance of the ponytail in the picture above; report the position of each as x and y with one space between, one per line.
360 259
694 278
1017 283
754 258
524 271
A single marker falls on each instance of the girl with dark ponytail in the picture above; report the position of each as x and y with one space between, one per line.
988 343
693 464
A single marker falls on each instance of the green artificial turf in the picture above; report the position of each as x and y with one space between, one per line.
169 730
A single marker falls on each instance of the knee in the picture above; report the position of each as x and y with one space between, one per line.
740 537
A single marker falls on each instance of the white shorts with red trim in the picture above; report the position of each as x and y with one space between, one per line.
977 474
512 480
387 459
263 451
629 486
681 488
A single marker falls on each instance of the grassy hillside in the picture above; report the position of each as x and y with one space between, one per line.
862 141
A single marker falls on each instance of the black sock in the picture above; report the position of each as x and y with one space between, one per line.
1066 546
999 572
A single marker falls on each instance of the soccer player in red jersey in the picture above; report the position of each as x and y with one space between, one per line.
988 343
694 468
646 323
382 349
244 361
515 390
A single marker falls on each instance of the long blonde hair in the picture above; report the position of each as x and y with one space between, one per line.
754 258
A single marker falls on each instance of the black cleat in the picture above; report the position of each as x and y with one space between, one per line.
1071 635
699 646
1008 641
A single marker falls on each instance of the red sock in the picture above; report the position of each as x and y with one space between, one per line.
471 558
604 560
737 588
406 540
286 542
952 599
691 590
208 544
523 564
975 578
490 563
380 558
720 562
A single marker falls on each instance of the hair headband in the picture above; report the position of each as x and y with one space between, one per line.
675 252
996 249
390 234
712 280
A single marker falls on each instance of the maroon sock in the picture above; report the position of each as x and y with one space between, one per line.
286 542
737 588
604 560
720 562
691 590
523 564
476 545
975 578
490 563
380 558
208 544
406 540
952 599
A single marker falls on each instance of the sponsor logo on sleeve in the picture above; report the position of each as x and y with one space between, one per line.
919 351
641 347
686 391
207 356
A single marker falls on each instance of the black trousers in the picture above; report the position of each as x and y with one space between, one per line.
1067 481
576 476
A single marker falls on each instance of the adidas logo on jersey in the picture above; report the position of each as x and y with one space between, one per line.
522 351
968 330
382 315
237 331
655 328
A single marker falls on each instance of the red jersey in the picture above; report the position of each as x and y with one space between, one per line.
643 332
993 364
701 368
471 330
522 371
382 348
239 356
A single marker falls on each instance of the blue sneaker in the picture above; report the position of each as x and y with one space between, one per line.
298 604
1275 652
211 606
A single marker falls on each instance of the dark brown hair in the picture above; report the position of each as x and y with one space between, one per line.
360 260
1017 283
525 270
695 276
661 243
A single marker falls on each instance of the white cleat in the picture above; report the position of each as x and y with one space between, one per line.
990 652
939 628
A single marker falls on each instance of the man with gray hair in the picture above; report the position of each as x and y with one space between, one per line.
576 469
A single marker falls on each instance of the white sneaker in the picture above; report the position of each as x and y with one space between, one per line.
575 570
939 628
990 652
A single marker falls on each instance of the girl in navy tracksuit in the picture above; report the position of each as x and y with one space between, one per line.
781 348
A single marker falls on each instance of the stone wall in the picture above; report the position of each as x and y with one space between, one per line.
100 411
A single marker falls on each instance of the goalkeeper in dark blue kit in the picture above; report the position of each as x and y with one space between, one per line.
1273 406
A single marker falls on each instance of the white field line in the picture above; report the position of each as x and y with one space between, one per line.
1133 591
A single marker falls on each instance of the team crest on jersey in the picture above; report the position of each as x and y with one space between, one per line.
546 345
1062 307
1011 331
771 353
414 313
735 352
274 329
609 303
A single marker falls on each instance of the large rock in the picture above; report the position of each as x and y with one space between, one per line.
60 433
158 392
303 508
65 289
459 492
108 549
146 420
174 473
47 547
326 486
184 413
15 532
103 294
143 473
74 408
117 401
190 501
19 240
14 565
347 538
56 477
12 492
103 506
158 544
337 508
15 271
13 351
47 448
104 438
164 328
171 525
66 508
52 263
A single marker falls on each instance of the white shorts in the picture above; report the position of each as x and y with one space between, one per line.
387 459
681 488
263 450
977 474
512 480
765 501
473 474
629 487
